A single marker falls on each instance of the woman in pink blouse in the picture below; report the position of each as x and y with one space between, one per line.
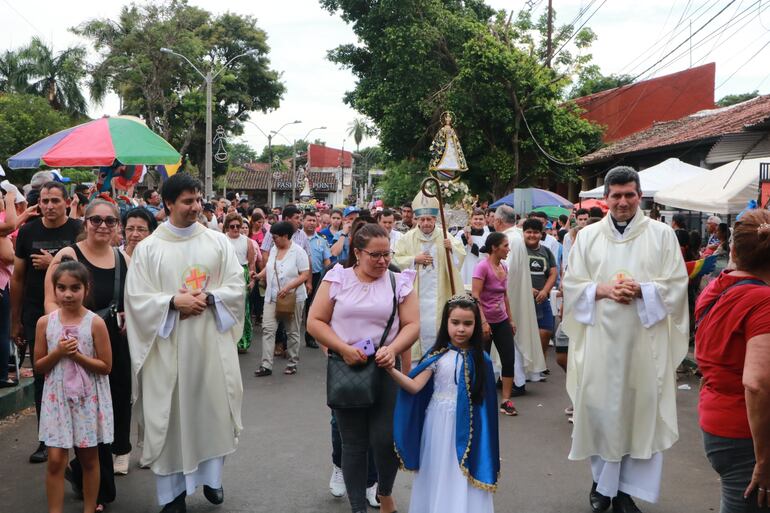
353 304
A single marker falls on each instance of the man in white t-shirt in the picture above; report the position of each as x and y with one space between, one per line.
387 219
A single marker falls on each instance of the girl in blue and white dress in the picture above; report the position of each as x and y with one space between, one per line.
445 423
72 350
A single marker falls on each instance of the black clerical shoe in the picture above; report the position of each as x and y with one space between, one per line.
178 505
40 455
623 503
599 502
518 391
214 495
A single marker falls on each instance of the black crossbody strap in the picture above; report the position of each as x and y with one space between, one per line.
116 287
393 313
748 281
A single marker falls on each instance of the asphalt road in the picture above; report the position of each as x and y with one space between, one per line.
283 462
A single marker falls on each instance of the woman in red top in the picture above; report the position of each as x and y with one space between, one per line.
733 352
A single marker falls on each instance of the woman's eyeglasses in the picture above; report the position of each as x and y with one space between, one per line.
136 229
387 255
234 227
98 220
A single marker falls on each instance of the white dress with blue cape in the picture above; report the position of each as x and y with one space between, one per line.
457 465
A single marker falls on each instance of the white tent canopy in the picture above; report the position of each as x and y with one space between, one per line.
724 190
660 176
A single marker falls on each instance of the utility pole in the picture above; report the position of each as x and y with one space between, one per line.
270 171
208 180
549 41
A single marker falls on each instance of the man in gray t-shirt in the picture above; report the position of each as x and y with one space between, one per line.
543 270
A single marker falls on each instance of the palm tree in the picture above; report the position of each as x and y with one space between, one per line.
13 72
358 129
57 77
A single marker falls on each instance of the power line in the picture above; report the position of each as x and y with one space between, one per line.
742 65
576 31
40 32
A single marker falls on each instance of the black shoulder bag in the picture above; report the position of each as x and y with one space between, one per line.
356 386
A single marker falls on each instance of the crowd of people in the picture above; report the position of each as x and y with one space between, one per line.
420 325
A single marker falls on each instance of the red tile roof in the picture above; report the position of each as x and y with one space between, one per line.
704 126
325 157
254 175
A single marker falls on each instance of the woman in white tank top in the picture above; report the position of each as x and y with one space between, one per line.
244 251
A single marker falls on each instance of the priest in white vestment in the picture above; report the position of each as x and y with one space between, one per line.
626 315
184 315
530 362
423 250
473 238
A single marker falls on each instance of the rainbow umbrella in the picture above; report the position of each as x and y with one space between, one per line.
103 142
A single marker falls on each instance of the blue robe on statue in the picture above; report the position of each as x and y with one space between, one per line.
477 440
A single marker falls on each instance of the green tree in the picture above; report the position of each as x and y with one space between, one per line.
358 129
164 89
24 120
430 56
591 81
56 77
732 99
241 153
402 181
13 72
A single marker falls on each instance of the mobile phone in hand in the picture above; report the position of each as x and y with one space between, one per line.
367 346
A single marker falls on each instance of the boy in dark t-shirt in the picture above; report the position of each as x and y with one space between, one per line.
543 270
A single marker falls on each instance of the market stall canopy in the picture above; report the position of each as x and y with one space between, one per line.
98 143
524 200
724 190
661 176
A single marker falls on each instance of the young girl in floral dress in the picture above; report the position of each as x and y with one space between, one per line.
72 349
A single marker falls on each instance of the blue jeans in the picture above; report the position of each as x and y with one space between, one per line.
5 332
733 459
371 477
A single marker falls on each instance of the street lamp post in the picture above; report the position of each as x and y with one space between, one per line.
270 155
208 78
294 161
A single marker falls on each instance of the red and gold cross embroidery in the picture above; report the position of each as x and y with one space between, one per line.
196 280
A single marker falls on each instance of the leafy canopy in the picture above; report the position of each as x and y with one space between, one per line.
164 89
418 58
24 120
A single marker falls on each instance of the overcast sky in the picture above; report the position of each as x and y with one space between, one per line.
300 33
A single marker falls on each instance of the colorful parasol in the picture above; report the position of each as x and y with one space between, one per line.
554 212
590 203
103 142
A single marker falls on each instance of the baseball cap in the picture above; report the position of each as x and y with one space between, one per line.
209 207
350 210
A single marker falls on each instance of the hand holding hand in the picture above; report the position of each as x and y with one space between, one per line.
423 259
633 289
190 302
67 347
385 358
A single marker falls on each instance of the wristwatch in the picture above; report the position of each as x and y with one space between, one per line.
171 305
210 299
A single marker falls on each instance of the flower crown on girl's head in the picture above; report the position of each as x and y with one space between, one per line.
462 300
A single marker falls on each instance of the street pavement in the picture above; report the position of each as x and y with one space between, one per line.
283 462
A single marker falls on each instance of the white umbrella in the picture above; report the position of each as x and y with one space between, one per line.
660 176
724 190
